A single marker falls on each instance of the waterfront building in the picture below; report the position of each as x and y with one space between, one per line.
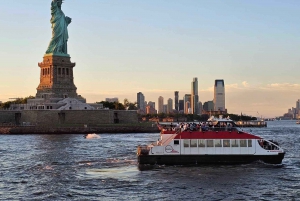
160 104
141 102
150 110
170 106
187 107
181 106
219 95
112 100
200 108
186 98
165 109
208 106
194 96
176 100
151 104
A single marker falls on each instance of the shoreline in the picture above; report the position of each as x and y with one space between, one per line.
23 130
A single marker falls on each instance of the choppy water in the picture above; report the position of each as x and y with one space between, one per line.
70 167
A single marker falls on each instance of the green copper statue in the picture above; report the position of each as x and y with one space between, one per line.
58 43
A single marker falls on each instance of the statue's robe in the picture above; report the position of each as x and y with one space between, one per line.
58 43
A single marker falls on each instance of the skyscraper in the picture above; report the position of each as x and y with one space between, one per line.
298 105
208 106
170 106
219 95
188 109
141 102
186 98
160 104
176 100
150 108
181 105
194 96
165 109
200 107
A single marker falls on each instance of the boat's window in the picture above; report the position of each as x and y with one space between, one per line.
201 143
176 141
186 143
249 143
218 143
243 143
234 143
210 143
193 143
226 143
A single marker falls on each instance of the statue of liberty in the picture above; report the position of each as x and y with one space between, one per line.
58 43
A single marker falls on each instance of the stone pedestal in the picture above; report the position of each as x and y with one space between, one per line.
56 78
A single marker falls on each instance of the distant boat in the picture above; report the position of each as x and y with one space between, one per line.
297 122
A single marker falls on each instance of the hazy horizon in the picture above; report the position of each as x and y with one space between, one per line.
157 47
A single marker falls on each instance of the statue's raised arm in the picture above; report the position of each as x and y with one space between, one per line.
58 43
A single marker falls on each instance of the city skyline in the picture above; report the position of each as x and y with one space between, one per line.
157 47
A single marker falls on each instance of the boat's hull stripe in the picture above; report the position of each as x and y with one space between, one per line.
208 159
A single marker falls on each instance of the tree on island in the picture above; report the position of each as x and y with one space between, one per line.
7 104
119 106
130 106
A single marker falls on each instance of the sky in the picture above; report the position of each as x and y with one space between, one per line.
122 47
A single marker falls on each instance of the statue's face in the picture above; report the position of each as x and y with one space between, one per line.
59 2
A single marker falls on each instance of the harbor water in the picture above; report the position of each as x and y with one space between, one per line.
104 167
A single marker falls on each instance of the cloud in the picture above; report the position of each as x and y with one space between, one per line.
281 86
232 86
210 89
245 84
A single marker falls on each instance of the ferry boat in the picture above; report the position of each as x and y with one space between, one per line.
217 141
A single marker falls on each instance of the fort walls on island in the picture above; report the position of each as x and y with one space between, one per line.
71 122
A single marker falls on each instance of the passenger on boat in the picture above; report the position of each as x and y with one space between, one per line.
192 127
203 127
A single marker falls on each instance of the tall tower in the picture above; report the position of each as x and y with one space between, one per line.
219 95
160 104
298 105
176 100
141 102
194 96
170 106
